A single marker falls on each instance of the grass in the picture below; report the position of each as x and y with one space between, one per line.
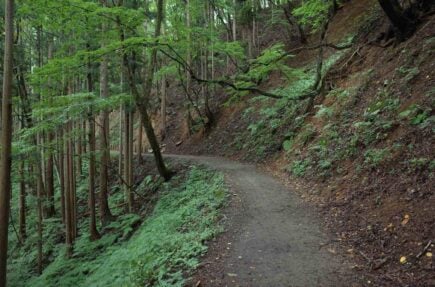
157 253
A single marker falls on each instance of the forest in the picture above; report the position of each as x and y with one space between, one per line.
217 143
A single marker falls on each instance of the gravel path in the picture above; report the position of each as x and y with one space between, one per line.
272 238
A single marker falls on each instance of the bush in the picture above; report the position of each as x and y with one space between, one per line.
299 167
374 157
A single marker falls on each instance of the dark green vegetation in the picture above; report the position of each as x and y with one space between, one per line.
362 148
340 91
134 250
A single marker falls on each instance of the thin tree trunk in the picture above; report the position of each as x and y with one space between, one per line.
163 108
23 183
235 21
73 184
189 63
79 147
121 145
22 203
49 176
140 141
61 156
68 207
39 195
130 164
127 187
92 174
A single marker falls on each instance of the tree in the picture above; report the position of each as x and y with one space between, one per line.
92 166
404 25
142 100
6 139
105 214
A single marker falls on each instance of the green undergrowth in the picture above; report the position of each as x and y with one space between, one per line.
361 125
275 123
156 251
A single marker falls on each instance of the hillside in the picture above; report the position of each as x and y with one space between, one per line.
363 152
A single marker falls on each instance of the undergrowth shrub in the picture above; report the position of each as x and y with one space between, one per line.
374 157
300 167
154 252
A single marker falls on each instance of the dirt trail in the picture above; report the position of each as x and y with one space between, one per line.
276 239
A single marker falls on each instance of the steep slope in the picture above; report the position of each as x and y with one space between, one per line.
363 152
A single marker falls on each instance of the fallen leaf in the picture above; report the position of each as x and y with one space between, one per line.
405 219
429 254
403 260
389 227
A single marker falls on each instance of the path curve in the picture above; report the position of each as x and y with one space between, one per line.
277 239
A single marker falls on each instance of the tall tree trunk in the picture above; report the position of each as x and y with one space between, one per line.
130 163
94 235
235 21
73 183
68 207
127 135
49 176
189 64
79 147
92 174
23 192
121 145
39 195
105 214
6 139
22 202
163 108
61 155
142 101
143 105
140 142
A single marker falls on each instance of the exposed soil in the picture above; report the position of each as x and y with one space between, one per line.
272 237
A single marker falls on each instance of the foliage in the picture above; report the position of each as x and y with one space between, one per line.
324 112
300 167
152 254
408 73
313 13
374 157
280 120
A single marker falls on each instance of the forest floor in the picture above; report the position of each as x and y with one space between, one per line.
272 238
